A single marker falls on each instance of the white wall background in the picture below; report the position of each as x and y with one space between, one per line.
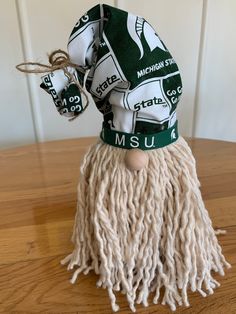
199 33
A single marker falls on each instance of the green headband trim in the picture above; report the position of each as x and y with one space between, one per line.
141 141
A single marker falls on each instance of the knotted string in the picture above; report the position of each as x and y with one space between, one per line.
58 60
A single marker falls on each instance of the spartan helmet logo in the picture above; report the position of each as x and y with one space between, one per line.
138 26
173 135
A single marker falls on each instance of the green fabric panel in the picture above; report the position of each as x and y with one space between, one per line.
128 54
141 141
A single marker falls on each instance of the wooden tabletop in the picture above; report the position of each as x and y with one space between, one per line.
37 206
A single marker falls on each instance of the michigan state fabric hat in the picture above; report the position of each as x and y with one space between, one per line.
130 73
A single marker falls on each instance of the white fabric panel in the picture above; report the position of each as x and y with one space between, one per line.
16 125
178 23
216 109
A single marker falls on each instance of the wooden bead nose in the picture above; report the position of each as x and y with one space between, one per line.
136 159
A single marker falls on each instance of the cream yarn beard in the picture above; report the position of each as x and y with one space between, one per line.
145 230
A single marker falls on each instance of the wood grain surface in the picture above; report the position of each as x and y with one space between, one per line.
37 207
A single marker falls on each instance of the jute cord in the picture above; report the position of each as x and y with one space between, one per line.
58 60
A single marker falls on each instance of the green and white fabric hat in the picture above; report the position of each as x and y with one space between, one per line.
131 75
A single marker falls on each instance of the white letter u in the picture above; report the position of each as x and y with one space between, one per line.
146 144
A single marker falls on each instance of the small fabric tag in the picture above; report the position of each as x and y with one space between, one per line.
66 95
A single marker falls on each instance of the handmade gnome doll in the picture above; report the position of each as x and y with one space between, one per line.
141 223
